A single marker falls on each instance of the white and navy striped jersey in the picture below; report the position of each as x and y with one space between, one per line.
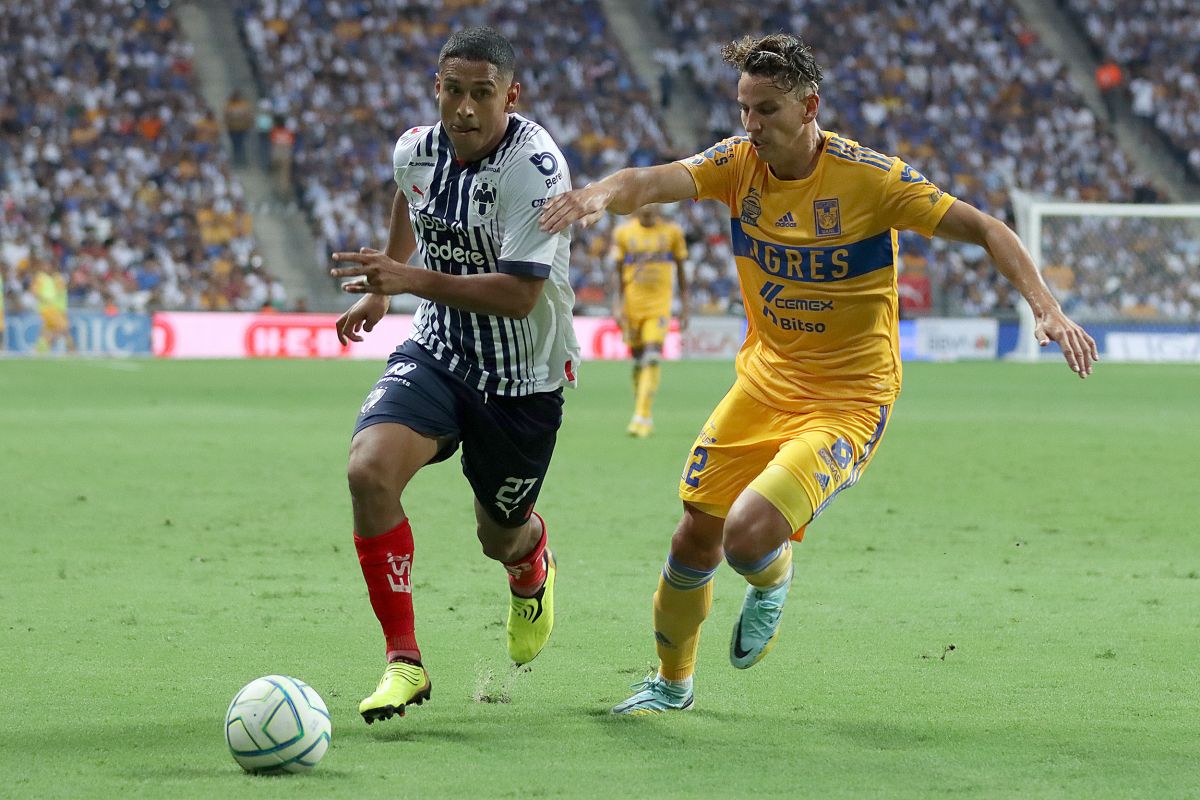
481 217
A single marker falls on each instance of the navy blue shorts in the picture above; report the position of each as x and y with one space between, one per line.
506 442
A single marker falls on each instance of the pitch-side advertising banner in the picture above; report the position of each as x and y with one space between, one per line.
236 335
93 333
1160 347
956 339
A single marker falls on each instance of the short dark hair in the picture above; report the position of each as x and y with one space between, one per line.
480 44
783 58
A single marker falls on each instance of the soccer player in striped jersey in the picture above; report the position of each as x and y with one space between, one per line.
814 217
646 251
492 346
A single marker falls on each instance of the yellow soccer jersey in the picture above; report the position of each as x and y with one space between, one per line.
646 257
816 259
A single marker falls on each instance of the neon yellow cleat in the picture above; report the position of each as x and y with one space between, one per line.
403 684
531 619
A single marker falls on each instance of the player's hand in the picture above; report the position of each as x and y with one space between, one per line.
685 316
585 206
1079 349
362 317
379 274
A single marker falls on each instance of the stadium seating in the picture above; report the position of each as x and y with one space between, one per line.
1157 43
351 76
112 164
959 88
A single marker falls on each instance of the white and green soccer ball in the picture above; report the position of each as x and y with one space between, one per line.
277 724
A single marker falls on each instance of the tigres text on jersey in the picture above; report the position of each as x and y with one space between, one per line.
816 260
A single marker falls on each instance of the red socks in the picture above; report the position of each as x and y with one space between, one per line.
526 575
386 562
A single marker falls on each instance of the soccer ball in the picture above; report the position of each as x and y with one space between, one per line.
277 724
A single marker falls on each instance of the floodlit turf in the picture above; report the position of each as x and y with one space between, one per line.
1008 604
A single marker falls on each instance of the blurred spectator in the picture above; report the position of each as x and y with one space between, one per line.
239 120
283 142
1110 80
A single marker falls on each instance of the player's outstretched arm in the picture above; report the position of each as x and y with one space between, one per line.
965 223
623 192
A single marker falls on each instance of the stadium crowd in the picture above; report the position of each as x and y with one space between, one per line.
963 91
112 172
349 77
1156 44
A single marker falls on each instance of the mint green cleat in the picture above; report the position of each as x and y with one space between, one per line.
656 695
758 625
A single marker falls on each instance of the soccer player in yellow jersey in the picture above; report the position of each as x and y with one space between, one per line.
814 217
49 287
646 250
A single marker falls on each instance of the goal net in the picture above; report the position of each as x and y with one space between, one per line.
1128 273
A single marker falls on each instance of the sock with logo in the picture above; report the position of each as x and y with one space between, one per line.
386 562
647 387
681 604
527 574
769 571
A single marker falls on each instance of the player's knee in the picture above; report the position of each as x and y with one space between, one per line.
753 530
651 356
697 539
370 474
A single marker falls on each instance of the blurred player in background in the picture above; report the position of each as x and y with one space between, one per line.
49 288
646 250
814 221
491 348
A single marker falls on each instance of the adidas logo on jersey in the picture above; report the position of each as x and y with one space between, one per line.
786 221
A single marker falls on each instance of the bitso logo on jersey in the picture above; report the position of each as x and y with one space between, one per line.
828 217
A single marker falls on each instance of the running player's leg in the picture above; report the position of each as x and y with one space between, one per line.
823 454
406 422
653 334
719 466
681 604
507 446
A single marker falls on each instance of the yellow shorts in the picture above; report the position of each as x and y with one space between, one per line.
54 320
823 452
643 331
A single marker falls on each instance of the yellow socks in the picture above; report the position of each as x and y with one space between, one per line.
647 387
681 604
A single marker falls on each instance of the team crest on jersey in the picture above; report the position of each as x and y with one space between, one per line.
374 397
828 217
483 197
752 207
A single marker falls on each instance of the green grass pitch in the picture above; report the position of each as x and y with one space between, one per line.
1007 605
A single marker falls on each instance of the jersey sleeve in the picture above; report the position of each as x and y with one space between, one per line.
716 170
528 183
406 145
679 244
911 202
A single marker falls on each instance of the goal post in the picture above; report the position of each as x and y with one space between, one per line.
1115 267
